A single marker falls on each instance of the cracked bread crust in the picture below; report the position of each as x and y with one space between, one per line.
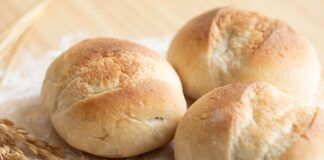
113 98
250 121
229 45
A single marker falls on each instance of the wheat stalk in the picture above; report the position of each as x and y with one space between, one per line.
12 36
19 28
11 135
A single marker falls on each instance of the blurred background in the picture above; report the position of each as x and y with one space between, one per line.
147 18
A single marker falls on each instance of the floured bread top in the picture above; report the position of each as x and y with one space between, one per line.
229 45
98 66
113 98
249 121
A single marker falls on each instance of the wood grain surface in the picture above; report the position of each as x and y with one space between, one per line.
142 18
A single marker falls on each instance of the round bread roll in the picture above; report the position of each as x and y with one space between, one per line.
250 121
113 98
228 45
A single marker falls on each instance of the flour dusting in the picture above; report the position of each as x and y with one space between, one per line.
25 81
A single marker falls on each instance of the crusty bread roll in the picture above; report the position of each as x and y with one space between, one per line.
228 45
113 98
250 121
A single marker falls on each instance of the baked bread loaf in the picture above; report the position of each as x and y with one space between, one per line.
113 98
250 121
228 45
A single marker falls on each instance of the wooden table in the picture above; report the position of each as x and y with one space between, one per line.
142 18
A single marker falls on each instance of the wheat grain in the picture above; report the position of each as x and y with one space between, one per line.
11 135
11 153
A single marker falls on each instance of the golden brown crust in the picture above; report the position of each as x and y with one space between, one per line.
87 51
311 145
229 45
102 83
122 123
248 121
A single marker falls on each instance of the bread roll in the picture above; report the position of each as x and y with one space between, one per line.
229 45
250 121
113 98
